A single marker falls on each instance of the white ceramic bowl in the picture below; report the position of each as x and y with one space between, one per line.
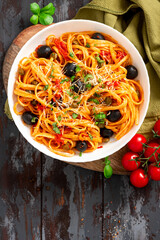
78 26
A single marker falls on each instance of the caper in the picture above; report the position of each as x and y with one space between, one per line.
75 42
74 105
138 93
21 71
54 55
101 124
108 101
66 146
30 91
34 82
34 102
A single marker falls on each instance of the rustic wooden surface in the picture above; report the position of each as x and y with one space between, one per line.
42 198
12 52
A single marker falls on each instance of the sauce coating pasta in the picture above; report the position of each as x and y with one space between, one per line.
75 93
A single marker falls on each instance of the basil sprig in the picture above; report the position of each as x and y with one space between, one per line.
43 15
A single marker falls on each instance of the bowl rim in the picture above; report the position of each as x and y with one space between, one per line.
35 143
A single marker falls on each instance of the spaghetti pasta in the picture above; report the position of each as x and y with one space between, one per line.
78 93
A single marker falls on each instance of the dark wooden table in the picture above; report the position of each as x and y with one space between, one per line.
43 198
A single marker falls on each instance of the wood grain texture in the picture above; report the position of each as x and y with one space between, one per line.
12 52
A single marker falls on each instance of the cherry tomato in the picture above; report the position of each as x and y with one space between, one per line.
135 144
154 172
150 150
138 178
128 163
157 127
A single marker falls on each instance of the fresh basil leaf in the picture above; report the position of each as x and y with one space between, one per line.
35 9
34 19
49 9
45 19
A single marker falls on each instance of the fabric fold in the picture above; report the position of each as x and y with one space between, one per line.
139 21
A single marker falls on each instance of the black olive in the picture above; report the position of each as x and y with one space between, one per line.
98 36
70 69
132 72
34 82
78 86
81 146
106 133
113 115
29 118
44 51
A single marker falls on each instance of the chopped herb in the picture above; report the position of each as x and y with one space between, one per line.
71 87
94 109
55 128
51 109
52 70
33 120
72 78
95 44
71 54
87 45
46 87
80 154
88 85
21 71
100 115
59 118
90 136
69 93
75 97
88 76
97 95
99 80
74 115
78 69
93 100
98 59
64 80
108 101
102 86
79 103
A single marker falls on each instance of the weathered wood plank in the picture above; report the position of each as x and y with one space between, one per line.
72 202
130 213
20 164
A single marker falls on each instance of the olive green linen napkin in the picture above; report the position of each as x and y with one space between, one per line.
139 21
